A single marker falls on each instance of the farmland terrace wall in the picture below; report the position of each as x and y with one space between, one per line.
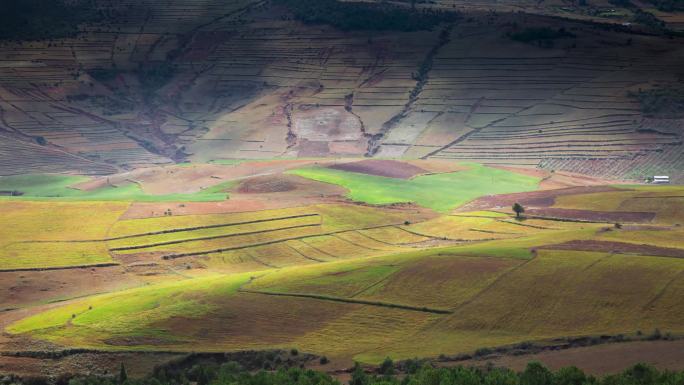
241 79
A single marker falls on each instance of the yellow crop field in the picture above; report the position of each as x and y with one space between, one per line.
35 255
57 221
393 235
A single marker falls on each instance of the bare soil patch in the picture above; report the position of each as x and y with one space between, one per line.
600 359
437 166
618 247
27 287
594 216
542 198
282 183
386 168
191 179
140 210
137 364
558 179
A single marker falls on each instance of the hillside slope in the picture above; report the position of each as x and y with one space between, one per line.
154 83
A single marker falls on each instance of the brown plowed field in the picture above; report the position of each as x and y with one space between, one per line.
587 215
543 198
386 168
600 359
556 180
618 247
282 183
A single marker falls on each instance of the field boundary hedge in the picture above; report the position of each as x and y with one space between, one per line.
349 300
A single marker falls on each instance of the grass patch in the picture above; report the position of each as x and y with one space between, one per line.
57 187
441 192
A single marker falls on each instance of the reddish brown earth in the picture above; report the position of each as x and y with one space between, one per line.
587 215
558 179
191 179
617 247
543 198
23 288
137 364
266 192
386 168
283 183
599 359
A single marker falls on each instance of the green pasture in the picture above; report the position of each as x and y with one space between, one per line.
441 192
57 187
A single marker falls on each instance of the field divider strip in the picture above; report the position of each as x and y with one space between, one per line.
177 241
527 225
108 264
302 254
297 238
182 229
349 300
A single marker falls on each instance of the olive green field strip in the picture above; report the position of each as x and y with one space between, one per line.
72 267
175 242
274 241
179 230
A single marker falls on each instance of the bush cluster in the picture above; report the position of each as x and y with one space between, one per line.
353 16
44 19
665 102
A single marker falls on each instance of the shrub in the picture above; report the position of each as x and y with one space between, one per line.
387 367
665 102
529 35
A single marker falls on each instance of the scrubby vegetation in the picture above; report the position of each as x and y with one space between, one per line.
43 19
648 19
543 36
350 16
665 102
669 5
233 374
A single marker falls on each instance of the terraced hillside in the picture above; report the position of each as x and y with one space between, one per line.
154 83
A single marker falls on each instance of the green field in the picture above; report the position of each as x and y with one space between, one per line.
441 192
58 187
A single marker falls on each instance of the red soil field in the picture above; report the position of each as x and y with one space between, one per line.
543 198
600 359
280 183
558 179
617 247
386 168
594 216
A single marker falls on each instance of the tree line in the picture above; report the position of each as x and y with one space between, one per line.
413 372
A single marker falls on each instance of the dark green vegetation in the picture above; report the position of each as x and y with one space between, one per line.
351 16
543 36
232 373
151 77
43 19
667 103
669 5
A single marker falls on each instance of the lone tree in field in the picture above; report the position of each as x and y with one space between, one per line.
123 376
518 209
